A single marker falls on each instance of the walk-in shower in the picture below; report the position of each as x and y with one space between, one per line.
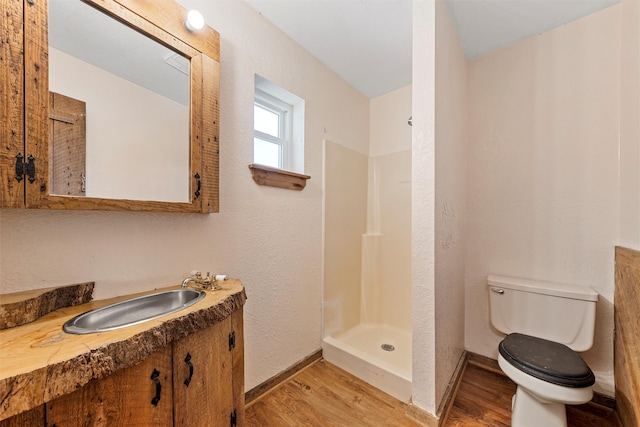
367 292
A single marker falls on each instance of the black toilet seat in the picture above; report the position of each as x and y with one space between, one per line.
546 360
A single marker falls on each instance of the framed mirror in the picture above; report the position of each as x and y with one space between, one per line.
119 101
121 107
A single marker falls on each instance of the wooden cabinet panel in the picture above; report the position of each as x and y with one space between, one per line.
237 355
207 398
11 102
32 418
122 399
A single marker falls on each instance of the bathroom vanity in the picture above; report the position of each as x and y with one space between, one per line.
185 368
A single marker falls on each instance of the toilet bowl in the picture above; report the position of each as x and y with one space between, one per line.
545 323
548 378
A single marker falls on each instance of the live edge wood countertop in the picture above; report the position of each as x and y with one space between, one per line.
39 362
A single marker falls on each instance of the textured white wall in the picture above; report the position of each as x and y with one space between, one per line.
439 202
269 238
543 184
422 206
450 198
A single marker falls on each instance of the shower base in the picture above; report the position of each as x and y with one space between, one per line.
359 351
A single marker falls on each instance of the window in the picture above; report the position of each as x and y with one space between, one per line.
271 131
278 127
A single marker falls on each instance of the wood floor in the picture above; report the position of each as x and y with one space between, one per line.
484 399
324 395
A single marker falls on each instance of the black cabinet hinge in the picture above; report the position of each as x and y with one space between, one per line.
27 168
199 182
233 419
232 340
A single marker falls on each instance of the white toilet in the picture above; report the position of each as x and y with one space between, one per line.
546 323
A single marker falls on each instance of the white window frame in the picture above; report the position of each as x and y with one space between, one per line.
285 131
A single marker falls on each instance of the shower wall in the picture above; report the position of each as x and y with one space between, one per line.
386 247
389 209
345 221
367 214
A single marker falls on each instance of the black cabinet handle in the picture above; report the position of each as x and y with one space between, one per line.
155 376
187 360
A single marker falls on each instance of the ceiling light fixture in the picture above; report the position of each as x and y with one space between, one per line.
195 21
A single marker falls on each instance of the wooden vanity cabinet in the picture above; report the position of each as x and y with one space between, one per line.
201 378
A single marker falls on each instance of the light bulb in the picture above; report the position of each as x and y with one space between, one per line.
195 21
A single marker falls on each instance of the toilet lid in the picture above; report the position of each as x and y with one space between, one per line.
546 360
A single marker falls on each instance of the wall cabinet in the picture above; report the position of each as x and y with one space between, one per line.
196 381
32 174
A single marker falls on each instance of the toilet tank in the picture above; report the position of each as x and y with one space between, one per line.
556 312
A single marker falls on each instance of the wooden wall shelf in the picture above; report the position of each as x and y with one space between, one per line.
273 177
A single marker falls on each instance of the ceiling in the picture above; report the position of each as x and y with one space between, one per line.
368 42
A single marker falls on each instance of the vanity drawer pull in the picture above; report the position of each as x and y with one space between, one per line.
187 360
155 376
497 290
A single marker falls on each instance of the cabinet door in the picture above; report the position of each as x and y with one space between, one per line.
237 355
126 398
31 418
202 369
11 102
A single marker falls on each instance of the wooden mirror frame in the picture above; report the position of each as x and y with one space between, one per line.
162 21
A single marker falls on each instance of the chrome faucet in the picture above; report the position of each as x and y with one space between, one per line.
207 282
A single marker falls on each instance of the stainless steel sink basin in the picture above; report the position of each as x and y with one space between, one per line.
132 311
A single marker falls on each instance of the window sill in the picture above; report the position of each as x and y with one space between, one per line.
273 177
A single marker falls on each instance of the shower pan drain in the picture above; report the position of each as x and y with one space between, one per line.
387 347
